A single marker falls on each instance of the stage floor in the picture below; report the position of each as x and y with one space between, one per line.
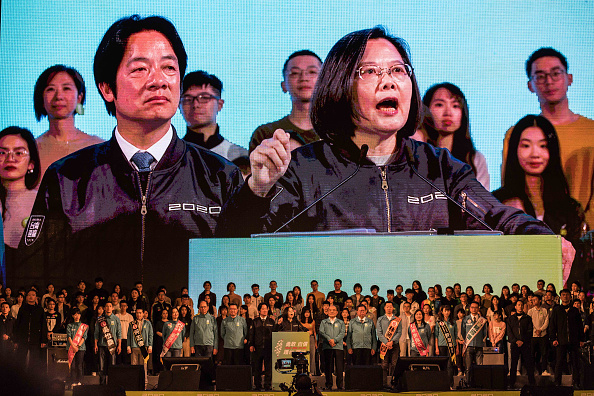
522 380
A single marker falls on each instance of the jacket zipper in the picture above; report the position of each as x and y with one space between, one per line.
143 211
466 198
385 188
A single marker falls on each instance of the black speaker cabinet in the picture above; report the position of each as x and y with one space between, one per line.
179 380
488 377
234 378
131 378
531 390
98 390
419 380
57 363
368 378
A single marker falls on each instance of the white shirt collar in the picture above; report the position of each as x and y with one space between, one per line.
157 150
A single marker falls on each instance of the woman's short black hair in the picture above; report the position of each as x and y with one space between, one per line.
44 79
333 102
111 50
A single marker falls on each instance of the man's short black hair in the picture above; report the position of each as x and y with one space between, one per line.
357 285
326 302
236 306
409 291
390 292
299 53
206 282
200 78
261 305
99 279
229 285
338 280
537 296
313 280
44 79
389 302
376 287
111 50
255 285
541 53
247 295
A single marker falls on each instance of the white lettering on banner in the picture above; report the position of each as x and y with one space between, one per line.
192 207
425 198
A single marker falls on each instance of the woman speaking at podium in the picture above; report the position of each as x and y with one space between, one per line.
365 106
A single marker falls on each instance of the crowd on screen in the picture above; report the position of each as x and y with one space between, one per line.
130 204
544 328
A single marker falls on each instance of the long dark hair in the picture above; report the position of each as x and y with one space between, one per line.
555 188
441 317
462 146
31 179
333 102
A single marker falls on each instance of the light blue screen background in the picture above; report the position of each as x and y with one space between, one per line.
480 46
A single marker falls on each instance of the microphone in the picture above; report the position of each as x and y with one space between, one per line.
409 156
362 156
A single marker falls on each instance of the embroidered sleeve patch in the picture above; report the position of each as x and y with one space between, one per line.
33 229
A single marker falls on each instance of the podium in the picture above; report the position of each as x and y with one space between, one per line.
380 259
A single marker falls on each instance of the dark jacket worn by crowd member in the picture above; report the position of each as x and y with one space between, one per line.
565 325
519 329
385 198
30 327
260 335
89 216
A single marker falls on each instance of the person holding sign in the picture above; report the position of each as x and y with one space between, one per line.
108 340
140 341
77 334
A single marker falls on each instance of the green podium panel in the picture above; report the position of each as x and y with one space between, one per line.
284 343
383 260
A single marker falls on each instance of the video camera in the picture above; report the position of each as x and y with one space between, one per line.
297 364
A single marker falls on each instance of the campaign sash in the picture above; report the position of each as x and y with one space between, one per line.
416 338
111 345
445 330
76 341
473 332
389 334
179 326
137 332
